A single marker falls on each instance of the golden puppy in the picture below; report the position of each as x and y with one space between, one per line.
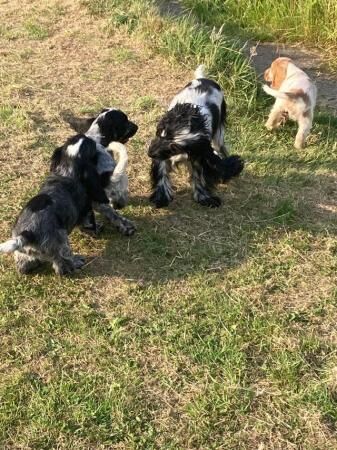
295 97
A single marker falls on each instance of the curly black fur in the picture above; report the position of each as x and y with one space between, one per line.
187 130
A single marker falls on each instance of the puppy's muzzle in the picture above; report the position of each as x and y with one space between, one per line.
155 150
131 131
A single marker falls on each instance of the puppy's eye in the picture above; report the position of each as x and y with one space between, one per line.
163 133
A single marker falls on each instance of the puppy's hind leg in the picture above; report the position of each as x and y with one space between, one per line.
63 260
162 193
201 189
275 118
304 127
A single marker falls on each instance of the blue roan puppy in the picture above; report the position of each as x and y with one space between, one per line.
192 132
41 231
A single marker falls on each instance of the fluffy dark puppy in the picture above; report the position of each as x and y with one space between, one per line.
41 231
192 131
62 164
110 125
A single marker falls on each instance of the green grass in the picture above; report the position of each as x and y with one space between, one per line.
123 54
146 103
36 30
311 22
12 117
208 329
184 40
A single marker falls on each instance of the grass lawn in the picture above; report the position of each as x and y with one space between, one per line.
308 22
208 329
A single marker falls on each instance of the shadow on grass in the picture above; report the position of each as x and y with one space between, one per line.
186 239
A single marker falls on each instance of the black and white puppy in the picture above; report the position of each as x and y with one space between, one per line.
41 231
109 126
192 131
110 129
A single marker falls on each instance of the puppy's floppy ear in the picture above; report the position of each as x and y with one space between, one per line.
267 75
56 159
80 125
92 183
279 72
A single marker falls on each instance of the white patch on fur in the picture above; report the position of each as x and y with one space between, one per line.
72 150
94 132
122 158
163 133
11 245
192 95
184 135
118 188
179 158
176 159
200 72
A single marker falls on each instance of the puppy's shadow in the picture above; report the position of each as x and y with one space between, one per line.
187 240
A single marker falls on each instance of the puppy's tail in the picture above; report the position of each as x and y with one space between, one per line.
226 168
122 160
13 244
200 72
275 93
278 94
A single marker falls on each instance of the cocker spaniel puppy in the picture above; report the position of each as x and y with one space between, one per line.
110 129
295 97
110 126
41 231
192 132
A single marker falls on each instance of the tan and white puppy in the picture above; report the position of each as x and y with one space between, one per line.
295 97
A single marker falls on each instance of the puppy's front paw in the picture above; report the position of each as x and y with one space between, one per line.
299 144
211 202
78 261
126 227
64 267
269 126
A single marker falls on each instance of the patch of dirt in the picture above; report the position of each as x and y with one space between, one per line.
170 8
261 56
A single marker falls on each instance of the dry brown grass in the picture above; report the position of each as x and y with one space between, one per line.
207 329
